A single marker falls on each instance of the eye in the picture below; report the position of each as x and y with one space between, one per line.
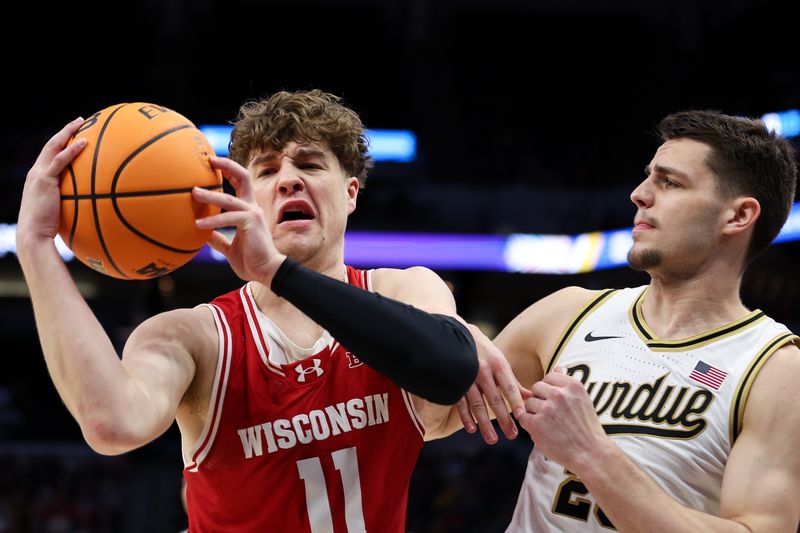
265 172
311 166
669 184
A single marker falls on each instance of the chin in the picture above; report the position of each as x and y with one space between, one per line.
297 247
644 259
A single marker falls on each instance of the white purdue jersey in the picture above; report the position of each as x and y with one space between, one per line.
673 406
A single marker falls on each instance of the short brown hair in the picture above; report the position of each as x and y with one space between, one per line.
747 159
302 116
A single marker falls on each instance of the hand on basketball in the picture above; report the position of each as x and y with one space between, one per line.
40 207
562 420
495 386
251 253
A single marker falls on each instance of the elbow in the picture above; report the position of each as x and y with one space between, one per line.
108 437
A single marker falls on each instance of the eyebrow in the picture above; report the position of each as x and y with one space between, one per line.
669 171
300 153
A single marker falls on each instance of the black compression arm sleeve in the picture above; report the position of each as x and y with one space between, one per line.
431 356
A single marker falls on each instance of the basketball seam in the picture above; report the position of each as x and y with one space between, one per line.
134 194
75 216
114 196
94 200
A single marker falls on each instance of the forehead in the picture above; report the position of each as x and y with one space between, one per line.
293 150
684 155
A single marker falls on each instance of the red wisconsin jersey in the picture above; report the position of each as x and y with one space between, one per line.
322 445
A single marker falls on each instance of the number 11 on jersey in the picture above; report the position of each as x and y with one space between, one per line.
319 508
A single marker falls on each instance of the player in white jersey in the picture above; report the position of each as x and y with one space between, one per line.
670 407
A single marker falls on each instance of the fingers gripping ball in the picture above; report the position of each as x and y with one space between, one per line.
126 203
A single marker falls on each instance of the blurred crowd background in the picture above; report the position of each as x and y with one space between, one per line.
532 116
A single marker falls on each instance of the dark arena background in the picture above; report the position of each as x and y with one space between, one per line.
532 118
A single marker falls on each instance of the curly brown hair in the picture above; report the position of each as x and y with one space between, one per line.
303 116
747 159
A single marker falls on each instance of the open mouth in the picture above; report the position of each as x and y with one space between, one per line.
295 215
296 211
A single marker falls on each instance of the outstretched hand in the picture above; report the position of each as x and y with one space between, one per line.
495 389
251 253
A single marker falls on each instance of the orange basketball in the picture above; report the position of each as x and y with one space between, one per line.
126 203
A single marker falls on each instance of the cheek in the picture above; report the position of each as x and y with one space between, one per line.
265 199
261 190
701 225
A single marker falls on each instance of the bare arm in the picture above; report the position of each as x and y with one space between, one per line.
761 486
119 405
524 345
762 477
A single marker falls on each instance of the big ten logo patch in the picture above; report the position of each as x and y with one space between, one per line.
352 360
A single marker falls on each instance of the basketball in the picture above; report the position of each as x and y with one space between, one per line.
126 200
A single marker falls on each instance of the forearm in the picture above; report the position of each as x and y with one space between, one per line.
80 357
431 356
634 502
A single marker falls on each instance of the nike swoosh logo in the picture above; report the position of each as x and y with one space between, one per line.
591 338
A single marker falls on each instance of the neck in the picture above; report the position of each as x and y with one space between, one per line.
680 308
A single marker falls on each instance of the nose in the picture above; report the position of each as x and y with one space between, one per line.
289 182
642 196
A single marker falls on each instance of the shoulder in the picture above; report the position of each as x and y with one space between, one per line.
781 370
193 329
417 286
189 317
390 277
774 394
394 281
570 299
531 336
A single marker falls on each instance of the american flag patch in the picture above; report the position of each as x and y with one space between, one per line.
708 375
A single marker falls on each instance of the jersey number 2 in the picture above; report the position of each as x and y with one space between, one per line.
319 508
569 502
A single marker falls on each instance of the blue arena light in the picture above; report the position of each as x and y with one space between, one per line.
786 123
218 136
397 146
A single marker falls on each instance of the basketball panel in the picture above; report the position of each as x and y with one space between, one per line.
168 219
149 261
86 244
136 256
115 134
81 166
174 161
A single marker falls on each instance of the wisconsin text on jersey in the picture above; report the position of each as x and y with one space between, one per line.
650 403
318 424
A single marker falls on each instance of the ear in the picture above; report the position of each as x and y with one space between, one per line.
353 187
741 215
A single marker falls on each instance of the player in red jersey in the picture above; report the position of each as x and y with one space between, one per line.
304 397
